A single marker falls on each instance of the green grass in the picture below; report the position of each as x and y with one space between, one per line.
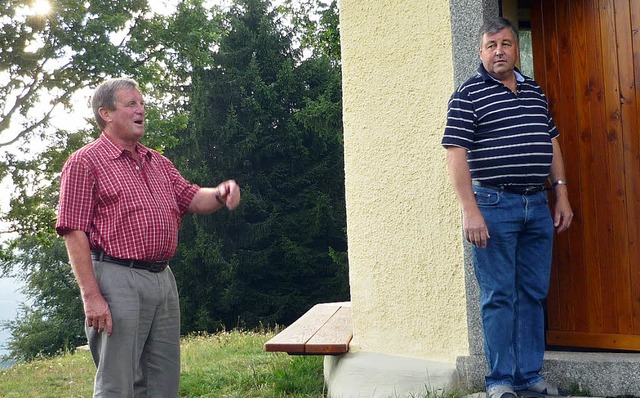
223 365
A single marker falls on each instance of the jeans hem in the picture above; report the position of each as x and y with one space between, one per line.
499 383
528 384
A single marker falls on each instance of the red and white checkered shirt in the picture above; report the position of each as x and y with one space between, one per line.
129 210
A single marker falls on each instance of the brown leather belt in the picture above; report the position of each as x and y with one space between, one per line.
151 266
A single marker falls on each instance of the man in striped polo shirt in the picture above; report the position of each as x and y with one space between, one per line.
501 149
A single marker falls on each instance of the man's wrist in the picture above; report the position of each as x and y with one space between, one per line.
560 188
219 198
91 292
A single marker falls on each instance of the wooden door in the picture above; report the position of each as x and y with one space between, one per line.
587 60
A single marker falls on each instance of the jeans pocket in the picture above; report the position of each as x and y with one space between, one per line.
486 198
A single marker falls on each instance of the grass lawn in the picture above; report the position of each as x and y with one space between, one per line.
229 364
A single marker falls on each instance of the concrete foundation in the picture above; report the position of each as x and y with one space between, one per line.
371 375
590 374
599 374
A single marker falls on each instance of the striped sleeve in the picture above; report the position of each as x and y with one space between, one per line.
461 121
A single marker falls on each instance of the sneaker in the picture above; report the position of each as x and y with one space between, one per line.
545 388
501 391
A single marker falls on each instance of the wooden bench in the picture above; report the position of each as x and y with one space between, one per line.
325 329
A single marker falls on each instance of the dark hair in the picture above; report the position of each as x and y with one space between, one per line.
495 25
105 96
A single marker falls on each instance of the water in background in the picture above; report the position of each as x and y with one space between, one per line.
10 299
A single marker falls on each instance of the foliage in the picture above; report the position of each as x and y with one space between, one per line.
53 320
270 119
227 364
55 323
317 26
46 58
262 114
71 48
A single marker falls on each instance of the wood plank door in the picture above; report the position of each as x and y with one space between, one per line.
587 60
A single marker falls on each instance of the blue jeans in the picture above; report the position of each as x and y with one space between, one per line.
513 274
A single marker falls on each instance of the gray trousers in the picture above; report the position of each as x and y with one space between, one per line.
141 358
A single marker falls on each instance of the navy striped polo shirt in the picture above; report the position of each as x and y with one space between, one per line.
508 136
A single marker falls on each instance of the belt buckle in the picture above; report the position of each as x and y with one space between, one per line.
534 189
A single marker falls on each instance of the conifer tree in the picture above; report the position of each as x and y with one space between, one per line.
270 119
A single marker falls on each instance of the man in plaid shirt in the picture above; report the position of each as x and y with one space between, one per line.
120 209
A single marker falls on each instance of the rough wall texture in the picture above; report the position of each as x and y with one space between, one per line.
405 250
466 18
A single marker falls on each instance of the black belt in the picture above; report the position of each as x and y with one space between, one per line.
525 190
152 266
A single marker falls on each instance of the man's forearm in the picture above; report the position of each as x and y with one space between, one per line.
207 200
79 253
557 172
461 177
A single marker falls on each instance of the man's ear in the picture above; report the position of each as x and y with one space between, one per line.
105 114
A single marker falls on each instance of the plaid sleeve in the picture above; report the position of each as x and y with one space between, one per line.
461 124
76 206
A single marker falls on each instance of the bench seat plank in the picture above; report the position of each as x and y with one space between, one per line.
293 338
324 329
334 336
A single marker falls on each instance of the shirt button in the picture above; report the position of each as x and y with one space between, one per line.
137 167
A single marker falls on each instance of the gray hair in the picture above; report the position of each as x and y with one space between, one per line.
105 96
495 25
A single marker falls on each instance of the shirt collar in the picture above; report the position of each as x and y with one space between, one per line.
486 76
115 151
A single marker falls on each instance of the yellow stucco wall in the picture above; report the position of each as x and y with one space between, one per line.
405 249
